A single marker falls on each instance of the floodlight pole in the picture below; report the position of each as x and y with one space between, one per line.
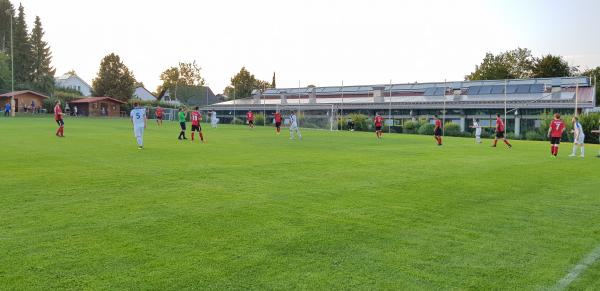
12 65
264 106
390 110
233 120
342 109
505 105
444 113
576 99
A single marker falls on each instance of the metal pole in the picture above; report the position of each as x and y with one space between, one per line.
391 121
12 67
505 105
342 109
444 113
576 99
233 120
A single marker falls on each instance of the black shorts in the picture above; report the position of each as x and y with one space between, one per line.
182 124
499 134
278 124
159 117
196 128
437 132
555 140
250 121
378 128
60 122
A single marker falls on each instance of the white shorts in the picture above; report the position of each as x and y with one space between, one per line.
581 139
138 131
294 127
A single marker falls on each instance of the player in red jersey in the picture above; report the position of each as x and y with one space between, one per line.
58 117
196 117
277 117
250 118
159 115
555 132
437 131
500 132
378 124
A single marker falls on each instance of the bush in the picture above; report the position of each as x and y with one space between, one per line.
259 119
411 127
590 122
426 129
452 129
534 135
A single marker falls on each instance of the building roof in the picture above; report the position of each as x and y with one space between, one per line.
69 75
17 93
95 99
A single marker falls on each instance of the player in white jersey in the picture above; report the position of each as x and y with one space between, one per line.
477 128
138 119
294 127
213 119
579 137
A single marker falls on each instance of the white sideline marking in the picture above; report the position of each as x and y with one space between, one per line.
587 261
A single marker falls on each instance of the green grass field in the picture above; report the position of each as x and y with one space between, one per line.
252 210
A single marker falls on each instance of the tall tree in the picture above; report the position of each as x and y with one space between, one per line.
7 12
5 80
244 83
114 79
551 66
273 83
42 73
186 74
491 68
23 51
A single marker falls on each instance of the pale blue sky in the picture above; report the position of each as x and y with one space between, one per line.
315 41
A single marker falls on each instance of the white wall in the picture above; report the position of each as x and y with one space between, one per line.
75 83
143 94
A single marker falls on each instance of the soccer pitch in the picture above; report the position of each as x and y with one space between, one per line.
253 210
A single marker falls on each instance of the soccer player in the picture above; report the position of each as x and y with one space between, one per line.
378 124
477 128
196 117
277 117
500 128
7 108
182 115
250 118
555 132
579 137
437 131
159 115
138 120
58 117
294 127
213 119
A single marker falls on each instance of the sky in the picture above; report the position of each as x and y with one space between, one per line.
313 42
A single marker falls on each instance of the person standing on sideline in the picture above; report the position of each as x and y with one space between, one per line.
7 108
196 117
579 137
138 119
555 132
213 119
500 128
437 130
294 127
75 111
477 128
58 117
378 124
277 117
159 115
250 118
182 115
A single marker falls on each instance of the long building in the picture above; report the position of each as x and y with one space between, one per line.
462 101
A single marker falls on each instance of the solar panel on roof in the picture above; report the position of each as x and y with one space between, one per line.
430 91
331 89
498 89
523 89
485 90
511 89
537 88
350 89
439 91
473 90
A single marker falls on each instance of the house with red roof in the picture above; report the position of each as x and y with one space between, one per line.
25 101
97 106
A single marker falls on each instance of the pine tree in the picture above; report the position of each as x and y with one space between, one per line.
114 79
22 51
7 11
42 73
